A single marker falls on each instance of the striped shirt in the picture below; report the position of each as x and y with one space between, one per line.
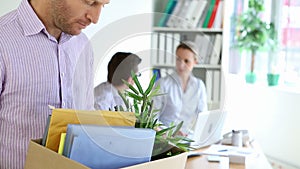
36 70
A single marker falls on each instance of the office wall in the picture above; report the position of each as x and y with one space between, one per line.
6 6
270 113
122 26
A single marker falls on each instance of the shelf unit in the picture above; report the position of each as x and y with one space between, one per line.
167 29
164 42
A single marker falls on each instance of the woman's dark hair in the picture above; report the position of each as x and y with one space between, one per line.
120 66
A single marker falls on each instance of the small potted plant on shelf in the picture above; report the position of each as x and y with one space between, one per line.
273 77
167 141
253 33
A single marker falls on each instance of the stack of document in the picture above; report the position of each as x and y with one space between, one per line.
108 147
60 118
225 150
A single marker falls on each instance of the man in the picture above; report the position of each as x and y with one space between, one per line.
119 68
41 51
185 94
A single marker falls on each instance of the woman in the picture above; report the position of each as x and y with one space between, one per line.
185 94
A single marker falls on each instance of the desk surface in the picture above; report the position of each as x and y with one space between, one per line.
258 162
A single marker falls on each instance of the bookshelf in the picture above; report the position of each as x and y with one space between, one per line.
166 37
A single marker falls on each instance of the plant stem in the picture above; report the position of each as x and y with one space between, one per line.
253 53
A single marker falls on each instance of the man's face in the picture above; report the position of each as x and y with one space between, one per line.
71 16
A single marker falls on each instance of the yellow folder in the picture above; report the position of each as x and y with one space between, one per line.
62 143
62 117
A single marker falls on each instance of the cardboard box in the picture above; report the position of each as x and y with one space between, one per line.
39 157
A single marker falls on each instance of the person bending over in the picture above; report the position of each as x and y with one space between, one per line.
119 68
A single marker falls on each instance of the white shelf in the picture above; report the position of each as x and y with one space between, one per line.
202 66
167 29
165 41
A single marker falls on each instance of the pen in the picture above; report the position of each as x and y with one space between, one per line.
223 150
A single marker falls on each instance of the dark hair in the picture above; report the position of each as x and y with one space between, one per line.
120 66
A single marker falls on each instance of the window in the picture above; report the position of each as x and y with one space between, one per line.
284 13
290 43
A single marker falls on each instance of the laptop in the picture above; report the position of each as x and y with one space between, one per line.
208 128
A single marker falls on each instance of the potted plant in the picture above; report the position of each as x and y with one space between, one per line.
273 75
253 33
167 141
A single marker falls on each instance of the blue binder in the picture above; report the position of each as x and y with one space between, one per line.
100 147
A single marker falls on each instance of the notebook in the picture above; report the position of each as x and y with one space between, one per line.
108 147
208 128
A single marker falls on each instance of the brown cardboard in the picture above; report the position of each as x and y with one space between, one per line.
39 157
174 162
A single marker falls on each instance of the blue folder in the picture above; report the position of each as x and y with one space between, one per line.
107 147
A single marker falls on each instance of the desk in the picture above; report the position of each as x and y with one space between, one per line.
258 162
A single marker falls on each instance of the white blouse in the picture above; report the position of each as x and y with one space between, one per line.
107 97
178 105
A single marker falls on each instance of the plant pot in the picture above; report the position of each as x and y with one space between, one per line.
250 77
273 79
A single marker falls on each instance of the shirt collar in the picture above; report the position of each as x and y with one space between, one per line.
114 90
175 75
31 23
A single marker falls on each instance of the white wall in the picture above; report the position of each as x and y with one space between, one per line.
6 6
123 26
270 113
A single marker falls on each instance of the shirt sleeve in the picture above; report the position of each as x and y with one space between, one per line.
90 85
101 103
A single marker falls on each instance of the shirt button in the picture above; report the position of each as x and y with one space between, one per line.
63 104
62 74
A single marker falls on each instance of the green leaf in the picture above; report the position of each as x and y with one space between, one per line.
125 100
134 96
178 127
164 130
130 87
156 92
152 81
183 147
137 83
153 124
136 107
